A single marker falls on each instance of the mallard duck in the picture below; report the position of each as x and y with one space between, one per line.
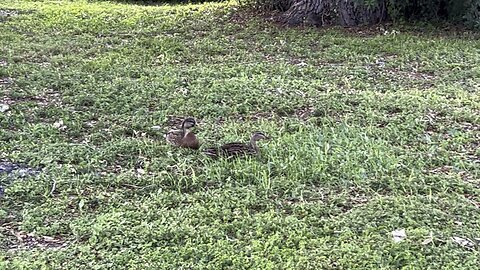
236 149
184 137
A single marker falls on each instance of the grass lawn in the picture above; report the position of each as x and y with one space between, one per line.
372 132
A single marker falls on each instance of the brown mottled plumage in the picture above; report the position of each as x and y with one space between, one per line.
237 149
184 137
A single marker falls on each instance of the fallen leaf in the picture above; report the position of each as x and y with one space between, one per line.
6 80
58 124
428 240
81 204
464 242
48 238
399 235
4 108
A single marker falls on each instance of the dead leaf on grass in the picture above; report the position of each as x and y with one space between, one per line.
140 171
59 125
6 80
464 242
428 240
4 108
399 235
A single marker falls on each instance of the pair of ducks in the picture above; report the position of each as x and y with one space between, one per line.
185 138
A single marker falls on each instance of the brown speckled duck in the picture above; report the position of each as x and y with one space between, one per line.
237 149
184 137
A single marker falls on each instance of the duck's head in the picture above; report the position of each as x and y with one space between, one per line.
188 123
258 135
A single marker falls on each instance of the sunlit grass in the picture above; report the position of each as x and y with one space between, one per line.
371 133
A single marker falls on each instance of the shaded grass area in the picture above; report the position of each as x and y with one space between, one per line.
371 134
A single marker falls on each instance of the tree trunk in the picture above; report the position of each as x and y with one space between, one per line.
327 12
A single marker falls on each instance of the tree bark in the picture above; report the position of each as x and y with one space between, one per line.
327 12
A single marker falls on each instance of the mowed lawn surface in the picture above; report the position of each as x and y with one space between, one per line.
372 132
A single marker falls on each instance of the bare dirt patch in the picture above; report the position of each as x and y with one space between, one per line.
16 239
46 99
379 72
452 171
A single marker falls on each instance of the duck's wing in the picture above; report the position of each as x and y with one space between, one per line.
174 137
236 149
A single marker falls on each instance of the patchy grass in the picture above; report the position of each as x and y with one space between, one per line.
371 134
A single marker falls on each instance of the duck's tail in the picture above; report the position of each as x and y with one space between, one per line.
211 152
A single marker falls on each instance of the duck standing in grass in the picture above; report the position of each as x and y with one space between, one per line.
237 149
184 137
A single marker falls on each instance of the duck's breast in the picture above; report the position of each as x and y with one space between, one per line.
190 141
